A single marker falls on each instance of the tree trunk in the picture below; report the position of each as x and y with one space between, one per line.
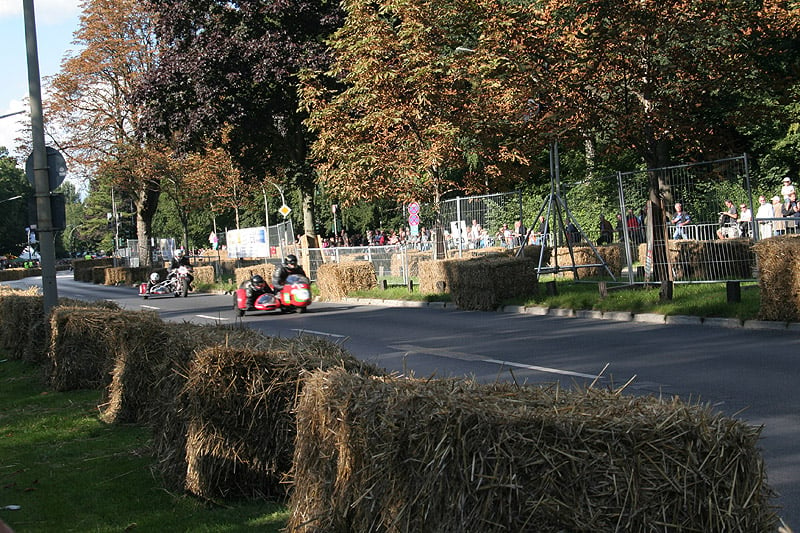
146 203
308 213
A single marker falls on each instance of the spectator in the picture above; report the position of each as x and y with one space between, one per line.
791 209
778 226
573 235
606 231
519 232
680 220
763 214
727 221
745 218
787 188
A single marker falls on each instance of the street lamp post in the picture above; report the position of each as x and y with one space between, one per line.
41 175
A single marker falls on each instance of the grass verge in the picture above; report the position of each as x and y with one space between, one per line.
696 299
68 471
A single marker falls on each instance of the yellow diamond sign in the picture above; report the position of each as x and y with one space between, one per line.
285 210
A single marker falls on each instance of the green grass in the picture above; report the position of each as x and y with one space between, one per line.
697 299
70 472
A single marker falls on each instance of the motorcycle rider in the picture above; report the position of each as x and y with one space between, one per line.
288 268
179 259
255 288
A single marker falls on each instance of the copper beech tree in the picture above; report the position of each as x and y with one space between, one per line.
230 69
91 109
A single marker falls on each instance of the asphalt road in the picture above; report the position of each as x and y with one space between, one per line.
749 374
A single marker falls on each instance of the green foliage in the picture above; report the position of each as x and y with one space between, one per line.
13 213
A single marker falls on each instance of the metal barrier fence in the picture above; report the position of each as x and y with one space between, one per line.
701 189
390 262
474 221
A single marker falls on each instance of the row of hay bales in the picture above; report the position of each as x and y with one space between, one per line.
237 414
722 259
13 274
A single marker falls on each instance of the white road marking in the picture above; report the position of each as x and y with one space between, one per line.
319 333
541 369
212 317
150 307
464 356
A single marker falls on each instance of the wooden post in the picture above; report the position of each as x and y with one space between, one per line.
734 290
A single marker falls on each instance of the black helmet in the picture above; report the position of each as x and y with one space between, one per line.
290 261
258 282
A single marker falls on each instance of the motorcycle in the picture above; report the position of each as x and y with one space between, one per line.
177 284
294 296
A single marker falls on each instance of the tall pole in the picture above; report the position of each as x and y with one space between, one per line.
41 176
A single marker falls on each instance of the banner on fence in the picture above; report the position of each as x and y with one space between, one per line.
247 242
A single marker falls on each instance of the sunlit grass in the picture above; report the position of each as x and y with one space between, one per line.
696 299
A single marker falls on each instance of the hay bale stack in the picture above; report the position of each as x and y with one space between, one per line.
720 259
337 280
83 344
19 309
204 274
405 455
480 283
165 378
244 274
125 275
82 269
24 330
584 255
779 278
240 409
533 251
434 276
483 283
12 274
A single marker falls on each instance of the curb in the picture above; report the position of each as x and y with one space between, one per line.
619 316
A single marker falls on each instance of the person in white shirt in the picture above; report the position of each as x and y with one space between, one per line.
745 218
763 213
787 188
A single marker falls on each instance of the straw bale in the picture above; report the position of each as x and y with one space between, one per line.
82 344
204 274
483 283
125 275
779 278
24 331
82 269
719 259
496 251
244 274
612 254
337 280
239 405
164 376
480 283
13 274
434 275
445 455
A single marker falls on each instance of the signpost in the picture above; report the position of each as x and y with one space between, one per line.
413 217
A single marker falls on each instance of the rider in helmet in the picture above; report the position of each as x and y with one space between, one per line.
180 259
255 288
153 280
288 268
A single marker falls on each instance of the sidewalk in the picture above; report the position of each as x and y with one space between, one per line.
619 316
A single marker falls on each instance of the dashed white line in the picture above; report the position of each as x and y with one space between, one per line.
319 333
212 317
540 368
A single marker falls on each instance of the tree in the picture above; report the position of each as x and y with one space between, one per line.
230 69
13 215
397 115
92 104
